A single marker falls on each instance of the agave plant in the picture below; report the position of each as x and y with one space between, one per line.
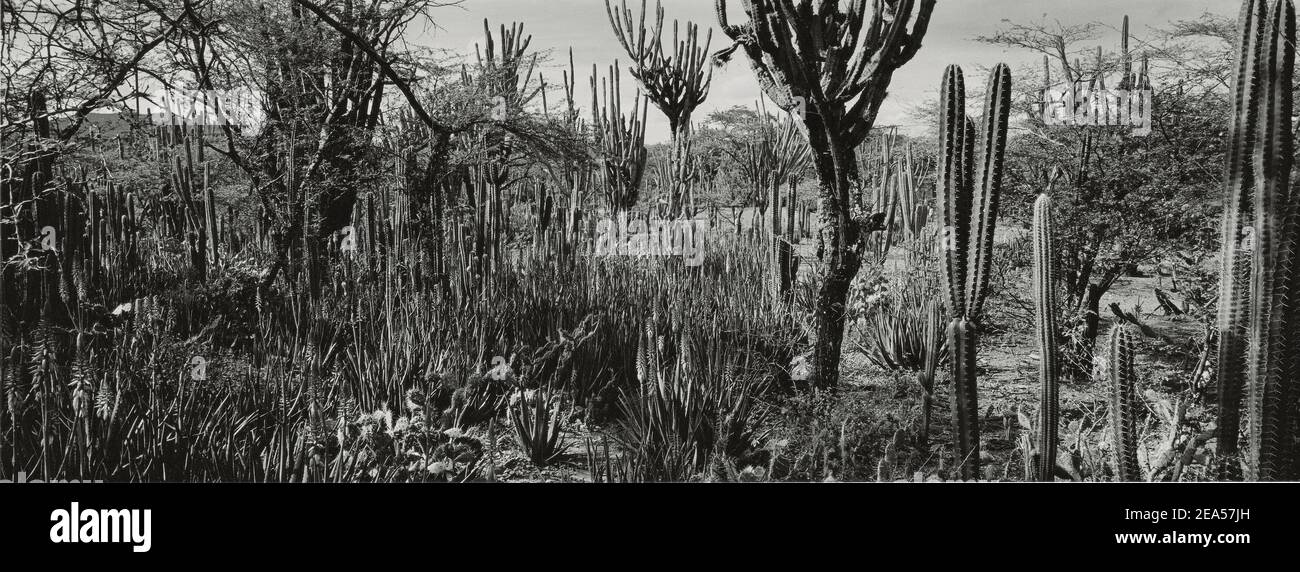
537 418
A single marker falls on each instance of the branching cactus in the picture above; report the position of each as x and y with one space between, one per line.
1258 320
621 139
676 77
969 183
829 64
1044 287
1123 402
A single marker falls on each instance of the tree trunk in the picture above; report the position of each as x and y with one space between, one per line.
679 183
1091 303
837 249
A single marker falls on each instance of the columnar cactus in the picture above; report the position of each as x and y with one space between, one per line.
1044 287
969 219
1257 321
211 237
1123 402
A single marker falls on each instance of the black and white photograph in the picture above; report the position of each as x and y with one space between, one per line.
905 253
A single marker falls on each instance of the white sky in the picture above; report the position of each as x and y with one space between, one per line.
583 25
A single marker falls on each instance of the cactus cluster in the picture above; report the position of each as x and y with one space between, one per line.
181 147
785 262
1258 319
894 186
621 139
676 77
970 180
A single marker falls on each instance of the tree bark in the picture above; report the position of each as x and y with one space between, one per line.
838 239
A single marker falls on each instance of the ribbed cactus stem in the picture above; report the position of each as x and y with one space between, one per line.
988 177
1123 402
92 230
966 433
1126 58
1234 293
789 268
955 145
132 246
1044 288
1272 357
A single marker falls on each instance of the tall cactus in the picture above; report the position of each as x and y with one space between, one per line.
969 218
1257 321
1123 402
1044 287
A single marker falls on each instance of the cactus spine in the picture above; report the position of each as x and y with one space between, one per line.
969 219
1044 287
1257 321
1123 402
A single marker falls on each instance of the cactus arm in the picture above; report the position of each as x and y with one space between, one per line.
952 122
997 112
